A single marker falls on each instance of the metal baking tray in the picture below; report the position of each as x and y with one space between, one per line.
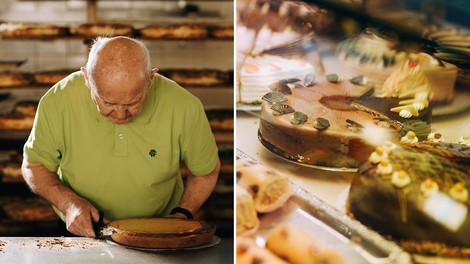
354 241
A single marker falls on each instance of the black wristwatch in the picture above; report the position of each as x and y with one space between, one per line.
182 210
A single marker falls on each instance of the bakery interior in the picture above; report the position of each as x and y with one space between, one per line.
302 68
31 61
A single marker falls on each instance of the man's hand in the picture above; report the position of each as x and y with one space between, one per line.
79 214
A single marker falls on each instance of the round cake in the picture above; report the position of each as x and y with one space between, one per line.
318 124
92 30
183 31
257 73
21 118
14 79
162 232
417 194
377 58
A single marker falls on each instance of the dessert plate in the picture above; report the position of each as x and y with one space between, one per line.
215 240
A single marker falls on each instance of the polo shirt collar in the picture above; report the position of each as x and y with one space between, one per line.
146 113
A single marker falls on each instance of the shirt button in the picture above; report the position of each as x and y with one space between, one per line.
121 136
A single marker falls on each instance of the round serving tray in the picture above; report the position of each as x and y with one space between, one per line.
215 240
278 153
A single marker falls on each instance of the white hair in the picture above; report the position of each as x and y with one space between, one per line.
98 45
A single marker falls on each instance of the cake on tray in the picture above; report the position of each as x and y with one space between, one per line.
257 73
378 57
161 232
418 195
337 123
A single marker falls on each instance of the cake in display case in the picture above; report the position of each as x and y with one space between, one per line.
370 107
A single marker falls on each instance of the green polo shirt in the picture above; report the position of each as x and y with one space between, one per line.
128 170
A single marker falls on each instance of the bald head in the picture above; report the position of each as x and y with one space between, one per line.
118 59
118 74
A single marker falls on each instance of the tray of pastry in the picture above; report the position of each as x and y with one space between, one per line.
302 228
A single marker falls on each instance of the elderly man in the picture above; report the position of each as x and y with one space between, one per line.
112 137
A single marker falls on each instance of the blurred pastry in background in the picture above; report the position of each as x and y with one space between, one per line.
20 118
23 30
92 30
174 31
376 57
14 79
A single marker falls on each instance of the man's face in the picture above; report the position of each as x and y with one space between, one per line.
120 101
120 110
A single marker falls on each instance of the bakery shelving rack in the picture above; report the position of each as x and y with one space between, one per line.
219 207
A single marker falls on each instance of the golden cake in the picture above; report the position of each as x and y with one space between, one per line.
13 79
21 118
31 209
21 30
219 32
183 31
92 30
167 233
197 77
51 77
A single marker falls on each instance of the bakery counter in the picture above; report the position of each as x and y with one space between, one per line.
88 250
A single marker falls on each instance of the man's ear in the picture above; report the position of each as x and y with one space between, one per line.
153 72
83 69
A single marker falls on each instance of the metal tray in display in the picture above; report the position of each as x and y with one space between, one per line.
354 241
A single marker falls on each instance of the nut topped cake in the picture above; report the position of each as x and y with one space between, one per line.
330 122
421 200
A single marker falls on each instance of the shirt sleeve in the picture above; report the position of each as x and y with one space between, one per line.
199 149
41 148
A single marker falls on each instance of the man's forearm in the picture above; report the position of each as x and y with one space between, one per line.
47 185
198 188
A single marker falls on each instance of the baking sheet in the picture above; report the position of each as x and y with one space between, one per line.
355 242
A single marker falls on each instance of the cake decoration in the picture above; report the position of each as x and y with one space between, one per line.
435 137
321 123
388 146
459 193
309 80
353 126
429 187
378 155
332 77
409 138
400 179
421 128
384 167
274 97
281 87
405 83
359 80
281 109
299 118
465 140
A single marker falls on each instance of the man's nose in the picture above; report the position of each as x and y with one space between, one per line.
120 111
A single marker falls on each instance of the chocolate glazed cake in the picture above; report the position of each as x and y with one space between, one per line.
422 202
